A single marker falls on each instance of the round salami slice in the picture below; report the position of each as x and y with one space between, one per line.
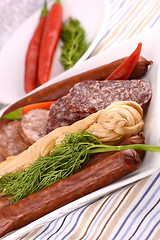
2 154
88 97
91 96
9 144
34 125
60 115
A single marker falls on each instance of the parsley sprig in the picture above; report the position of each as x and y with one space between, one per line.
74 43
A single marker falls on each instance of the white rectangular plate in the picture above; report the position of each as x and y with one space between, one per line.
12 55
150 50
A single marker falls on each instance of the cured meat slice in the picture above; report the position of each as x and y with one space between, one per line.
90 96
17 136
34 125
9 143
61 115
2 154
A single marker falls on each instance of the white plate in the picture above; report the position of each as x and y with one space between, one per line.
93 15
151 162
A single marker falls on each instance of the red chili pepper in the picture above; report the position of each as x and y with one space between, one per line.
50 40
125 69
31 63
19 112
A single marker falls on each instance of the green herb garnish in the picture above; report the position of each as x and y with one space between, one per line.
64 160
74 43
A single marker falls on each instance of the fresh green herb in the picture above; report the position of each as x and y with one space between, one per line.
64 160
74 43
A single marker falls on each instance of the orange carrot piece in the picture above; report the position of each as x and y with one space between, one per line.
19 112
41 105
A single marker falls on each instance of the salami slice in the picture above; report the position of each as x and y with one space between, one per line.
2 154
34 125
9 144
88 97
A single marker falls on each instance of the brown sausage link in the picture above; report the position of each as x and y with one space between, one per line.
67 190
140 69
59 89
4 202
138 139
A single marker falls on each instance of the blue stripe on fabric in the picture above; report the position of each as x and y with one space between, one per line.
150 221
144 219
45 229
114 5
76 222
75 212
111 26
57 229
97 218
143 196
128 7
139 213
155 21
79 218
119 17
56 222
152 230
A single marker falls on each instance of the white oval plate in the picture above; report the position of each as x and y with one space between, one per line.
92 14
151 162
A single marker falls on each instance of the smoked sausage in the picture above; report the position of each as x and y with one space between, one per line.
59 89
95 158
4 202
67 190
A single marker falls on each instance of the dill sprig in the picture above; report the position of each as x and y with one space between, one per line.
74 43
64 160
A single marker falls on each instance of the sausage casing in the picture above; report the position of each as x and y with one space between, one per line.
95 158
67 190
59 89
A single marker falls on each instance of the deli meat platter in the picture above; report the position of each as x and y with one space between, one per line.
151 162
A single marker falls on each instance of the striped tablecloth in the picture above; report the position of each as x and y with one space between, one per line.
130 213
134 211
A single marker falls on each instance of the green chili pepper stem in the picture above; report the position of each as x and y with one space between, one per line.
14 115
58 1
45 9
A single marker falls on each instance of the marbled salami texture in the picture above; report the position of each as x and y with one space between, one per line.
91 96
